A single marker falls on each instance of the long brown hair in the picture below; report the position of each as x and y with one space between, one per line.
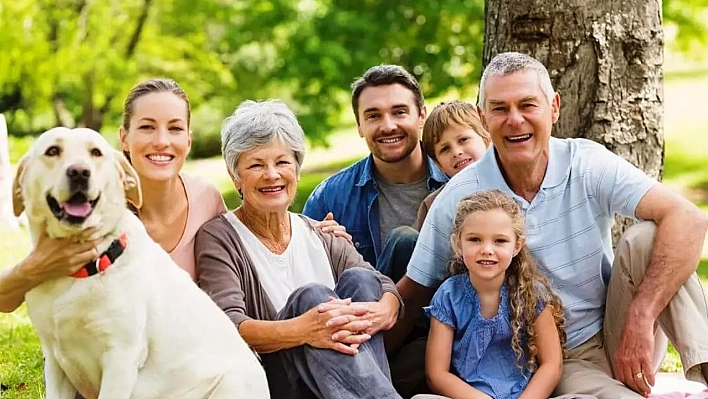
527 284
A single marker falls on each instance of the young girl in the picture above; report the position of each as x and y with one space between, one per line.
497 328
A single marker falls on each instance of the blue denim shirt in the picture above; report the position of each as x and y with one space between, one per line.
351 195
482 354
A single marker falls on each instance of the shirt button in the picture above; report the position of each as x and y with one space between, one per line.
356 244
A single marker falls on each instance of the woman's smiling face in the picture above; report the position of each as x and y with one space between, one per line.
267 177
158 139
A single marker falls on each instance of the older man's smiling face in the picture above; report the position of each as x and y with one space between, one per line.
519 117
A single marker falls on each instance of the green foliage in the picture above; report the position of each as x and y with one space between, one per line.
19 146
439 41
71 62
703 269
690 17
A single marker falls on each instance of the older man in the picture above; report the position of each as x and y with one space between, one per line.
570 190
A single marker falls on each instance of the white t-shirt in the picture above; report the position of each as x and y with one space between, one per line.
303 262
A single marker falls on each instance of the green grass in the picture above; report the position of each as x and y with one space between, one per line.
20 352
20 357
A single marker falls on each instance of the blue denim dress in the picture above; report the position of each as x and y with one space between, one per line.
481 352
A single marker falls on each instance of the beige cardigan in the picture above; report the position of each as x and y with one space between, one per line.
226 273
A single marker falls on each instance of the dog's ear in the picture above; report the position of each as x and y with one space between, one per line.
131 181
18 202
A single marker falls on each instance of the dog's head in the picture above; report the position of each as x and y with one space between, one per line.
72 179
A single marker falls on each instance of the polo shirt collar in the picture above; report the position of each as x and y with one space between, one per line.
556 172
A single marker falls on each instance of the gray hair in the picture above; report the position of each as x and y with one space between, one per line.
256 124
511 62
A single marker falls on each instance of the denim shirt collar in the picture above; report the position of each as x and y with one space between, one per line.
435 176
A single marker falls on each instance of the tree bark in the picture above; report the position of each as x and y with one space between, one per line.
605 58
7 217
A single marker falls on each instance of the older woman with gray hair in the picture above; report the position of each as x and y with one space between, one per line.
302 298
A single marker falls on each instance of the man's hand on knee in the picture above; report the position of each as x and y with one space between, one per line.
634 354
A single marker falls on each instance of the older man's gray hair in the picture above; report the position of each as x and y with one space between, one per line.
511 62
256 124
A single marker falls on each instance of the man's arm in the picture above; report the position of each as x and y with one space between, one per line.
676 251
680 234
415 296
619 187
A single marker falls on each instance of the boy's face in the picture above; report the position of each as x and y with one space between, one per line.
458 147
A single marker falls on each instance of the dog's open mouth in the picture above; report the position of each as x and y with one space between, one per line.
74 211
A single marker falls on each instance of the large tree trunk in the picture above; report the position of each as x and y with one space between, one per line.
605 59
7 217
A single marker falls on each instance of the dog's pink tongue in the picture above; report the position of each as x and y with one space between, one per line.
77 210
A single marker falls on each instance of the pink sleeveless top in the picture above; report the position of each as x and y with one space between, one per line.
204 203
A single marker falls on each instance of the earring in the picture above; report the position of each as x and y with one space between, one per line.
240 193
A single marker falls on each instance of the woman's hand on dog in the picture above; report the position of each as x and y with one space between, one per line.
52 258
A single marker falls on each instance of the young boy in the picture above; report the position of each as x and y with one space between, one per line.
453 136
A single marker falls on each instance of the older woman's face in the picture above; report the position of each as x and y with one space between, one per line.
268 177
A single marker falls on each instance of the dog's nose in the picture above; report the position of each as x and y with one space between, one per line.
78 173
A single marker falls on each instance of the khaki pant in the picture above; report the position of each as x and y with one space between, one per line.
588 368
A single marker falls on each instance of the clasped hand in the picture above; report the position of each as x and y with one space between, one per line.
339 325
354 323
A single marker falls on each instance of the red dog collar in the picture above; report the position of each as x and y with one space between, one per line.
105 260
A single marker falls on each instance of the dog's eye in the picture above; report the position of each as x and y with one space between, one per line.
52 151
96 153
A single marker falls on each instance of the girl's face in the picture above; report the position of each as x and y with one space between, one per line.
158 139
458 147
487 244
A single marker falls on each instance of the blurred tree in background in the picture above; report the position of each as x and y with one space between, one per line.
71 62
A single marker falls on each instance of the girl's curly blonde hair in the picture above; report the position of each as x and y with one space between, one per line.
526 282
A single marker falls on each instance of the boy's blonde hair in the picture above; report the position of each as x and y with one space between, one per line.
447 114
527 284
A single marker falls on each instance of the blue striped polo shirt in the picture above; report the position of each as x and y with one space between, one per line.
568 224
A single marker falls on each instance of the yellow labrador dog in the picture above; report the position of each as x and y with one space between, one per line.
132 325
